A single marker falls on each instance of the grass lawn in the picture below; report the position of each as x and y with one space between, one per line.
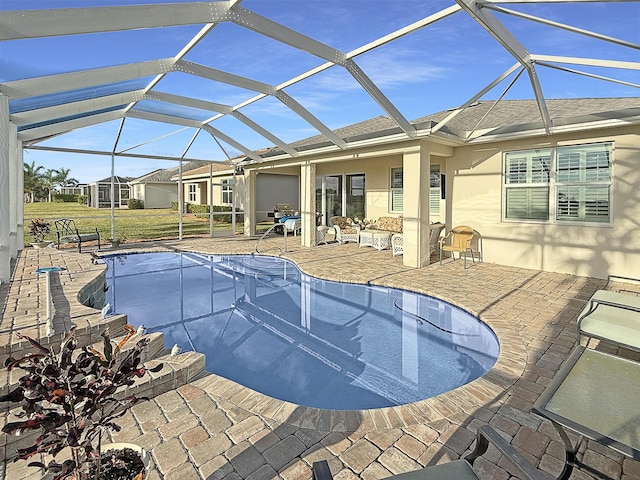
132 224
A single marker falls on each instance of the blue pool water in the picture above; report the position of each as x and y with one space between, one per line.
264 324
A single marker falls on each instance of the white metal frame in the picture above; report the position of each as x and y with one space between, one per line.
17 25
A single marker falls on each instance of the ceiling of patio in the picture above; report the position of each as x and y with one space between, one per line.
185 80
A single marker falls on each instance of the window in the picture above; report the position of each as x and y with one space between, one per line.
355 195
566 184
341 195
584 183
527 185
227 192
396 201
192 192
434 190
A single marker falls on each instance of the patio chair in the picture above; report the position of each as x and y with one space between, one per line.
458 469
613 317
434 236
346 229
397 240
67 232
461 240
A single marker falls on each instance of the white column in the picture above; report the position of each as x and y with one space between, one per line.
16 191
20 192
6 191
308 204
250 178
415 224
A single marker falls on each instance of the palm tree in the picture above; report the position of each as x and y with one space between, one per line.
62 178
31 179
48 182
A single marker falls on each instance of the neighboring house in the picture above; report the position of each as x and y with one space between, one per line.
80 189
158 189
270 189
563 200
99 193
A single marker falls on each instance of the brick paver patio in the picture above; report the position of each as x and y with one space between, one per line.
212 428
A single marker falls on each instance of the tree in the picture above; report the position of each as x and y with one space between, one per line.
39 184
31 179
62 178
48 181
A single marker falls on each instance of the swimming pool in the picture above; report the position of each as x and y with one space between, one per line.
264 324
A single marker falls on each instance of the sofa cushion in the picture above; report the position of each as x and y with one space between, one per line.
389 224
342 222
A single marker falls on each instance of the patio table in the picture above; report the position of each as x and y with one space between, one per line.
595 395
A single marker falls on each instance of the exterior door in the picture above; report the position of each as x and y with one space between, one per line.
340 195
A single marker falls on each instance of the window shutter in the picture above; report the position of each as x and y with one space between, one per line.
397 200
528 203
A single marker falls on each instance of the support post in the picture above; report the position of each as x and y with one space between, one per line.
7 192
250 178
308 204
415 224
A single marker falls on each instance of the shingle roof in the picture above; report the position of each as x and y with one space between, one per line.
116 179
163 175
502 117
204 170
511 113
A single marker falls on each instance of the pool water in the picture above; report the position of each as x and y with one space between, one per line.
264 324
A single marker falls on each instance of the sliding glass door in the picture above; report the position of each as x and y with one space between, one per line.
340 195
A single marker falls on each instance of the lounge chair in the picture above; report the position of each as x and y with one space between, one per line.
611 316
461 240
346 229
67 232
458 469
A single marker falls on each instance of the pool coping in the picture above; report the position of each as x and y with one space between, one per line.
488 389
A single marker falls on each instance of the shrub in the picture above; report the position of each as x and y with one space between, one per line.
199 208
71 398
39 228
187 207
83 199
135 204
65 197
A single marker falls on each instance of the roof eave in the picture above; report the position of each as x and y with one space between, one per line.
556 130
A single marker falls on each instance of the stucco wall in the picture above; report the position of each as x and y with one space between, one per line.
376 172
160 195
272 189
475 199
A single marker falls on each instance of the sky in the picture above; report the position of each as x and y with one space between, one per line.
435 68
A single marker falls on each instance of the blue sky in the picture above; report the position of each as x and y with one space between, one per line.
436 68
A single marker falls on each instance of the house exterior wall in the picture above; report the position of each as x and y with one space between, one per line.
200 193
272 189
377 171
475 192
203 197
159 195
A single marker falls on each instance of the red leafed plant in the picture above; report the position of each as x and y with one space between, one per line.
70 398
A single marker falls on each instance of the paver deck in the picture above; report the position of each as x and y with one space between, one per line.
215 429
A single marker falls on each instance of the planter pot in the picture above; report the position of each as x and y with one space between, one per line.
115 244
144 455
40 244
